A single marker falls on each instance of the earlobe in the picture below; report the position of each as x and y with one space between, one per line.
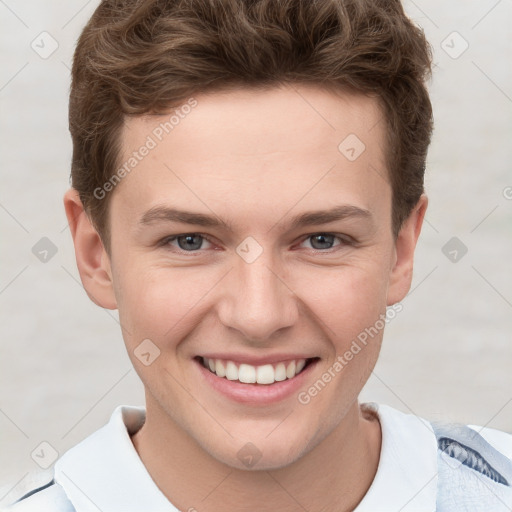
91 258
401 273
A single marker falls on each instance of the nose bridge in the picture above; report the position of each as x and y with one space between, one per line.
257 303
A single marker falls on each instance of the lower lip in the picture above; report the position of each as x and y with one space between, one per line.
256 394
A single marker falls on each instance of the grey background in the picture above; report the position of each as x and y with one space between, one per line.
63 366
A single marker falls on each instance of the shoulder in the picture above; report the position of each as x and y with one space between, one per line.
499 440
475 468
447 467
45 497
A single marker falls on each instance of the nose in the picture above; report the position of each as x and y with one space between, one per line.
257 301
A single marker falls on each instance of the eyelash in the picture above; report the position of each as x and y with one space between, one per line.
345 240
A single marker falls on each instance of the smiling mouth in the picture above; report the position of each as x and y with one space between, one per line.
249 374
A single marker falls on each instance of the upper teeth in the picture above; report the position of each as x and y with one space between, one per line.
265 374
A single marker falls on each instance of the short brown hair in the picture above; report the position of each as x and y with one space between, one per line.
136 57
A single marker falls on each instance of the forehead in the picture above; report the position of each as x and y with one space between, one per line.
273 119
259 149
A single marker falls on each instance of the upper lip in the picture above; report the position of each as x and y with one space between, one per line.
256 360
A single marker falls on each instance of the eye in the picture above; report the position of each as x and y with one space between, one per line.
189 242
320 241
194 242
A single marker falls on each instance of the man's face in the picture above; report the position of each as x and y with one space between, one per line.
256 287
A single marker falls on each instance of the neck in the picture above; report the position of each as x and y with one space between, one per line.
333 476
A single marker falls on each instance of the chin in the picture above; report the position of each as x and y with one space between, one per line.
268 461
260 454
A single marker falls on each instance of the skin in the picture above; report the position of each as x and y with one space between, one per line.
254 159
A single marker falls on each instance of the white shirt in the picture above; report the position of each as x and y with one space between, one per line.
104 472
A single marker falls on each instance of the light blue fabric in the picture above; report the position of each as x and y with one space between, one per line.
472 475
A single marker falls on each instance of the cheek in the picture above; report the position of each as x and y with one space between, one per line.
350 305
347 298
166 304
160 303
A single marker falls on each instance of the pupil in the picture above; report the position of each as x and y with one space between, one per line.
324 239
189 244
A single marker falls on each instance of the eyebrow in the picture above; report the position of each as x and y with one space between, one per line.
311 218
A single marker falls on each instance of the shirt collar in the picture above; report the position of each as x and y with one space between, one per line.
406 478
105 473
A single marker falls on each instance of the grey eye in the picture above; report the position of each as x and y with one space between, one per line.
190 242
322 241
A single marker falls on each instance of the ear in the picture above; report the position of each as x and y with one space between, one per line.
401 273
92 260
